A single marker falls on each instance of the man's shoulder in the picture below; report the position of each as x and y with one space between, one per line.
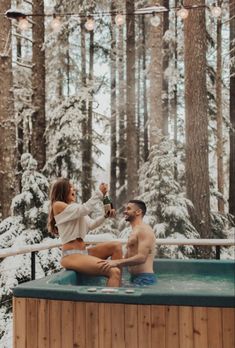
145 229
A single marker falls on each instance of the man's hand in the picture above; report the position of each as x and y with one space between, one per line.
107 264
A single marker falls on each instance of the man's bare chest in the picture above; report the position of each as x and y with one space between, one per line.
132 242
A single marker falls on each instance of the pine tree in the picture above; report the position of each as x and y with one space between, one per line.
26 226
167 206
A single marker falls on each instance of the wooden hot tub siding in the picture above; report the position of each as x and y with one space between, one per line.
40 323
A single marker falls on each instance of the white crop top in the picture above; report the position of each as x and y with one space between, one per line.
73 222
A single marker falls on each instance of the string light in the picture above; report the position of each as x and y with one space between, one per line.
55 23
216 11
119 19
90 24
23 23
183 13
155 20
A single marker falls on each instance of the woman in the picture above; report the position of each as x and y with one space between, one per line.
71 221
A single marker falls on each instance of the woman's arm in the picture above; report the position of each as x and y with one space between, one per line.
94 223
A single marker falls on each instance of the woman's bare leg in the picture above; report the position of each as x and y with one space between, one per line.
90 265
107 249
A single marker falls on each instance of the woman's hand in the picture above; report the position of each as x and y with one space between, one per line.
111 213
103 188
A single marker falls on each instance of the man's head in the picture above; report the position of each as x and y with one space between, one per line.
134 209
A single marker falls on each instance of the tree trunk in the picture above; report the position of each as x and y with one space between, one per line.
90 116
156 122
174 111
7 118
113 128
122 165
139 99
84 179
20 121
132 178
68 63
38 141
232 110
165 107
145 99
197 172
219 117
59 84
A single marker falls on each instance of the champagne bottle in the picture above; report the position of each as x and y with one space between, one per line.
107 205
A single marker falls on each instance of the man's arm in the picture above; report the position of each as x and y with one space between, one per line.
144 245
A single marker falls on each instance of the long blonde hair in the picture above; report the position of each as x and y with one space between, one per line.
59 192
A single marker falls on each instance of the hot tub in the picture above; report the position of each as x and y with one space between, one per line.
192 305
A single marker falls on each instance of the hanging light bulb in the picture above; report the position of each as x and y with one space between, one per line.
119 19
23 23
90 24
216 11
182 13
55 23
155 20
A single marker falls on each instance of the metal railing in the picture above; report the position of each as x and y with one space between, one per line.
33 249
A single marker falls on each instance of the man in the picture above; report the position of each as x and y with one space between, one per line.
140 247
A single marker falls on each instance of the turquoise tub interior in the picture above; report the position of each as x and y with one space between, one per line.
207 283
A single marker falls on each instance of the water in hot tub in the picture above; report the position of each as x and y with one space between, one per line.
183 283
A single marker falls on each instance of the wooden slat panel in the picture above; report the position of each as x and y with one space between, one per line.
214 327
228 315
158 326
55 324
92 328
144 326
19 322
131 326
105 325
118 326
79 331
172 326
200 327
43 324
186 327
67 323
31 323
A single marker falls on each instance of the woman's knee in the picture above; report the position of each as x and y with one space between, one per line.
64 262
115 272
117 246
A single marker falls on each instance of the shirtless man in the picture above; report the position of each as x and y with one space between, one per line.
140 247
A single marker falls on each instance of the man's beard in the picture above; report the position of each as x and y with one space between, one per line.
129 218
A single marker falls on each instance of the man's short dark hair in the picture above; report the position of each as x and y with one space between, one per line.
141 205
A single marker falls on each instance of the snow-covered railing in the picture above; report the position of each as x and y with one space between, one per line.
28 249
160 241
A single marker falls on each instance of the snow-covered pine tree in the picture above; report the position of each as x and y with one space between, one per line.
27 225
31 204
167 205
64 138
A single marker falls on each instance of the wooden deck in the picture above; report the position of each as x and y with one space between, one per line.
42 323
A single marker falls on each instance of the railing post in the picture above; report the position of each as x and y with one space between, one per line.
33 254
217 252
